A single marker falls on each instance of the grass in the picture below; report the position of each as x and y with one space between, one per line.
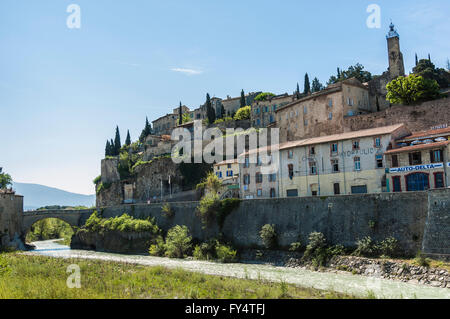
38 277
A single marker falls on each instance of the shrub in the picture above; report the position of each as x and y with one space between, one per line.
296 247
264 96
365 248
337 250
268 236
159 248
226 207
388 247
421 260
206 251
97 179
168 211
243 114
412 89
316 250
178 242
226 254
208 207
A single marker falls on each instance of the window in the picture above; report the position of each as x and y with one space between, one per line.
335 166
439 180
379 161
291 171
362 189
258 178
273 193
337 189
312 168
394 160
396 184
246 179
229 173
259 192
305 122
334 148
377 142
291 154
415 158
330 116
258 122
417 182
357 161
355 145
436 156
330 103
305 109
292 193
258 161
247 162
350 101
229 165
273 177
312 150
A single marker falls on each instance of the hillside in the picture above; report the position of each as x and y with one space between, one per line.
36 196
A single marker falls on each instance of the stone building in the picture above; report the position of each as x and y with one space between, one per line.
263 112
11 214
228 173
377 86
165 124
340 164
322 113
420 161
231 105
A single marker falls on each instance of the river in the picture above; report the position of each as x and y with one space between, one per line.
342 282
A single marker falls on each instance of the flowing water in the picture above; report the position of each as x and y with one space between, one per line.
340 281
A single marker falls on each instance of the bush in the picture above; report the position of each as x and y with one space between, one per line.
243 114
206 251
178 242
264 96
421 260
97 179
159 248
226 254
168 211
365 248
268 236
316 250
388 247
412 89
296 247
208 207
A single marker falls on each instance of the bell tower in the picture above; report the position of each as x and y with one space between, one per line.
396 64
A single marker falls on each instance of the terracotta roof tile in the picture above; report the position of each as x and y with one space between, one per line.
417 147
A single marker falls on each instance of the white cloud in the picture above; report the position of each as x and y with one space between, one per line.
187 71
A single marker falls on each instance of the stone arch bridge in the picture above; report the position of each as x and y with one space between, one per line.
75 218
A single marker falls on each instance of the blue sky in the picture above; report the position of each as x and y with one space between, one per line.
63 91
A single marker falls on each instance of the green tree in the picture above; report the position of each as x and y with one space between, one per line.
297 91
117 143
146 131
417 60
316 85
448 65
307 88
356 71
128 139
243 102
5 180
264 96
412 89
210 113
108 149
428 70
180 115
243 114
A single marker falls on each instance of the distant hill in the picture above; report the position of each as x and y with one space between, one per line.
36 196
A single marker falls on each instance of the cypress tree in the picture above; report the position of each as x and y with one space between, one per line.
128 139
180 115
307 85
417 60
316 85
297 92
338 73
243 103
112 148
210 113
146 131
108 149
117 143
429 57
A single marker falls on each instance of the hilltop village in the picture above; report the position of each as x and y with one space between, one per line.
348 137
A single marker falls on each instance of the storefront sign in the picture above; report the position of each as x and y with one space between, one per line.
417 168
